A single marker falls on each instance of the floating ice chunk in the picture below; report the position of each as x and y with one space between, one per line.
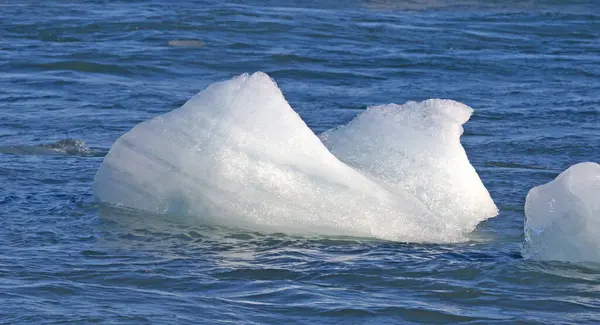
237 154
562 217
416 148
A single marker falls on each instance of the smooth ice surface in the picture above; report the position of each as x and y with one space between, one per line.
416 148
563 216
237 154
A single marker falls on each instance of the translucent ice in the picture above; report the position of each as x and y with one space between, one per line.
562 217
237 154
416 148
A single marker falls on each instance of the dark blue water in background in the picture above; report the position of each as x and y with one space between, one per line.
89 71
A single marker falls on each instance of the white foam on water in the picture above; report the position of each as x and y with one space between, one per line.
237 154
562 217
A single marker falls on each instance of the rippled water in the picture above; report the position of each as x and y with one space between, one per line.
72 72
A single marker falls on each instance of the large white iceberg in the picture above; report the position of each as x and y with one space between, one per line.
562 217
237 154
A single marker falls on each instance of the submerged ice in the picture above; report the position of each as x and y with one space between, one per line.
237 154
563 216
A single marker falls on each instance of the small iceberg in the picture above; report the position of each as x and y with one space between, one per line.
236 154
562 217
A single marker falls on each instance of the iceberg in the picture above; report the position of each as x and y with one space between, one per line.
415 148
236 154
562 217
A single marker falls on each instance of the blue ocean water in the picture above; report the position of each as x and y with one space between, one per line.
74 76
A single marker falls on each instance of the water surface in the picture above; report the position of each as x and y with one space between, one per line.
91 71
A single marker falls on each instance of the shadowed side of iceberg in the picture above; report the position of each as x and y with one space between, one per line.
562 217
237 154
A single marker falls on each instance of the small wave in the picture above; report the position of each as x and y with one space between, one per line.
511 165
81 66
72 147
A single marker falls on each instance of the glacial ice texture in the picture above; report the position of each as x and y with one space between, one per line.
237 154
415 148
562 217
